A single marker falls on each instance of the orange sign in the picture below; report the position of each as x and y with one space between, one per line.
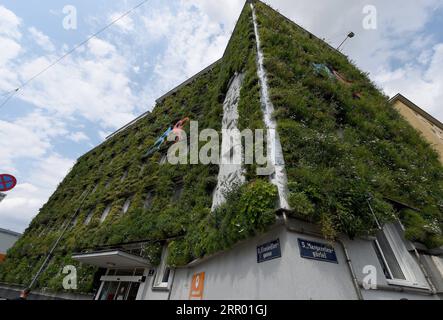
197 286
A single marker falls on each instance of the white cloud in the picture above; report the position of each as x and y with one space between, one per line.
421 84
19 142
89 85
21 205
100 48
29 139
41 39
192 39
225 13
50 171
125 24
400 36
10 50
78 137
9 23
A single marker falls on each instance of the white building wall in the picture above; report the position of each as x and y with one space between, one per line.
7 240
236 275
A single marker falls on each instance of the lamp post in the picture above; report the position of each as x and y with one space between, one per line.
349 36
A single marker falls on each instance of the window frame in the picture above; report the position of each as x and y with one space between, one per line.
103 217
89 216
128 202
158 284
148 198
411 280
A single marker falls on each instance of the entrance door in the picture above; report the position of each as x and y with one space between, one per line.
121 285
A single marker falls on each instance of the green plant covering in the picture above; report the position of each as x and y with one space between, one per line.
341 149
102 171
338 149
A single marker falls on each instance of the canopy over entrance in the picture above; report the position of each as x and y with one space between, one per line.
111 259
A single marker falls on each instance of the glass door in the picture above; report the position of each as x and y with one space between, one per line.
116 288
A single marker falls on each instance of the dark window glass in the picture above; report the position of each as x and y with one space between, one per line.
132 294
148 200
389 256
166 274
177 192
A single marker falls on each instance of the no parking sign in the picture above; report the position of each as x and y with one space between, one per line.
7 182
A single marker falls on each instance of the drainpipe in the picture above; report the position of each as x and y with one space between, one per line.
345 250
172 285
425 272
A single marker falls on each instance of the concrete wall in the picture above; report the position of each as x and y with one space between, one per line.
12 292
237 275
7 240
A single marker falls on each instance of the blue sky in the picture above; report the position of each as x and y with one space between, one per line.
116 77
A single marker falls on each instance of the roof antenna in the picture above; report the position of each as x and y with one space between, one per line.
349 36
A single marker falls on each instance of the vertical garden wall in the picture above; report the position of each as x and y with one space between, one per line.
344 147
343 142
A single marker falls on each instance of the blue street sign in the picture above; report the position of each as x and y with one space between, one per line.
317 251
269 251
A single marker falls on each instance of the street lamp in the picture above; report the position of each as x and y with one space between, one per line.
349 36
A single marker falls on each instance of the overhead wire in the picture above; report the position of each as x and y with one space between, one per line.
12 93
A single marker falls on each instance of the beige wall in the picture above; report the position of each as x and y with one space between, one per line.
432 133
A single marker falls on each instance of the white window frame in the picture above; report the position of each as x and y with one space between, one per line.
400 251
89 216
125 175
158 283
127 205
148 204
106 213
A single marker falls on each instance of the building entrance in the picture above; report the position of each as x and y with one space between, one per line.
121 284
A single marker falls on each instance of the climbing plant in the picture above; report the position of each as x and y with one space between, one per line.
346 151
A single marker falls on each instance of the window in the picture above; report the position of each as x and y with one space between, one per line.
83 194
112 158
74 222
164 273
125 175
140 143
89 216
42 232
148 200
95 188
115 288
126 205
108 183
142 169
399 265
163 159
231 155
178 191
105 213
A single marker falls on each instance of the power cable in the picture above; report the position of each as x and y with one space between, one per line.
14 92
